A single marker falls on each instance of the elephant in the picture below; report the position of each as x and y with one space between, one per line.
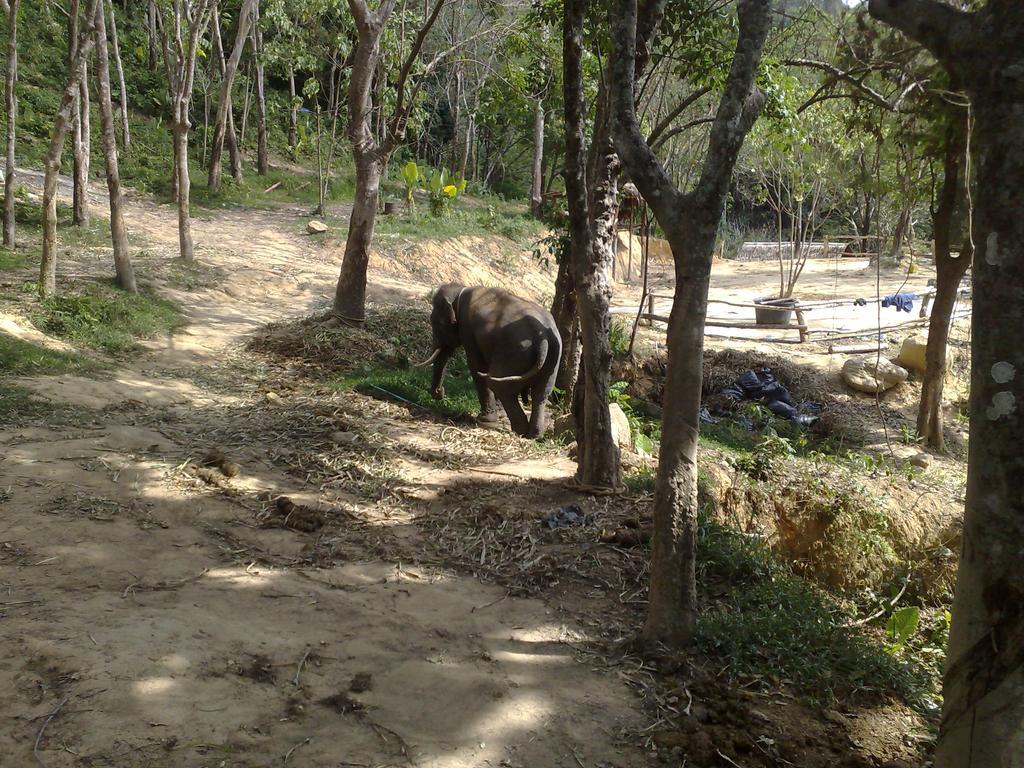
512 347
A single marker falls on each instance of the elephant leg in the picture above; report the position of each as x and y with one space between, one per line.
488 408
510 401
539 398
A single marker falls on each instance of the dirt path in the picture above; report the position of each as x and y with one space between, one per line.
151 620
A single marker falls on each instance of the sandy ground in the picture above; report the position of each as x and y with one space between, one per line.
150 622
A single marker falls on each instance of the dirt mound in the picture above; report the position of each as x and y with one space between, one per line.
493 261
393 334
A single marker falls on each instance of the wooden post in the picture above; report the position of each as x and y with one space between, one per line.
801 323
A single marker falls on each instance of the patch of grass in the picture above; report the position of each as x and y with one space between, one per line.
513 222
773 626
640 482
23 358
11 261
104 318
413 385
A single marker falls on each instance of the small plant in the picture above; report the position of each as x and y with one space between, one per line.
618 338
763 461
441 192
411 178
902 626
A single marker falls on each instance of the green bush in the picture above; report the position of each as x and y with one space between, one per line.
774 626
107 319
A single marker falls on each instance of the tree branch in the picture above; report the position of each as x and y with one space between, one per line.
666 122
938 27
741 102
410 61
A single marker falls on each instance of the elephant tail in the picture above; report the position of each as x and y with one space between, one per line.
542 356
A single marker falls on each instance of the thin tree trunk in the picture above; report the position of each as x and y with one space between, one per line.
245 106
949 273
690 222
151 26
350 295
293 112
80 127
118 232
12 121
227 74
185 244
537 184
83 44
563 309
262 159
126 137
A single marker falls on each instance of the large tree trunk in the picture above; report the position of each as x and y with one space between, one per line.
350 295
690 223
949 272
983 688
598 463
126 137
537 182
227 74
262 153
12 120
83 44
118 233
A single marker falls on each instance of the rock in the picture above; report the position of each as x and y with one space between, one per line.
921 460
864 375
564 425
912 353
344 438
621 432
315 227
273 397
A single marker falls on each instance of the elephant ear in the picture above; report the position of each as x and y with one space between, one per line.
451 311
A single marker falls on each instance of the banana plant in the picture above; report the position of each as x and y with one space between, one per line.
442 192
411 177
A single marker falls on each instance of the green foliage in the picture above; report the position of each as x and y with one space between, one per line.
902 626
641 481
763 462
411 177
441 191
107 319
23 358
618 338
772 626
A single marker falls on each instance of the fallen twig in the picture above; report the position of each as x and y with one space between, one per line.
42 729
288 754
302 662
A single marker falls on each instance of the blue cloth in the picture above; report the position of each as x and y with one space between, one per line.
761 385
902 301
